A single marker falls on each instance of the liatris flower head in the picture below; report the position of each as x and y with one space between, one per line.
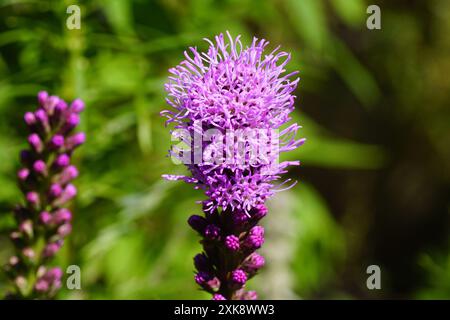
46 181
228 106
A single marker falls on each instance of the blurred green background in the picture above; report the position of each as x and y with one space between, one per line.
374 104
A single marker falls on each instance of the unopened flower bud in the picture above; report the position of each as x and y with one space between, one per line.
13 261
77 105
255 238
253 263
57 141
55 190
40 167
23 174
42 97
71 122
30 118
26 227
64 230
203 277
197 223
35 141
45 217
62 160
42 286
201 262
212 232
75 140
28 253
239 277
21 282
232 243
259 212
42 119
62 216
68 174
33 198
51 249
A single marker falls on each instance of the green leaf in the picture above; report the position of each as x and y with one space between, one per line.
321 242
308 16
352 12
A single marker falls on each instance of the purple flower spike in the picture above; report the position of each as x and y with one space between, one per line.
237 100
46 181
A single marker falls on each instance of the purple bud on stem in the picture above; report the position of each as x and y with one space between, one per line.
23 174
232 243
62 160
76 140
55 190
68 174
40 167
30 118
197 223
45 217
42 97
77 105
57 141
35 141
239 277
212 232
32 198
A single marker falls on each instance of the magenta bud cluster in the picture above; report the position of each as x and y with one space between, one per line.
45 179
